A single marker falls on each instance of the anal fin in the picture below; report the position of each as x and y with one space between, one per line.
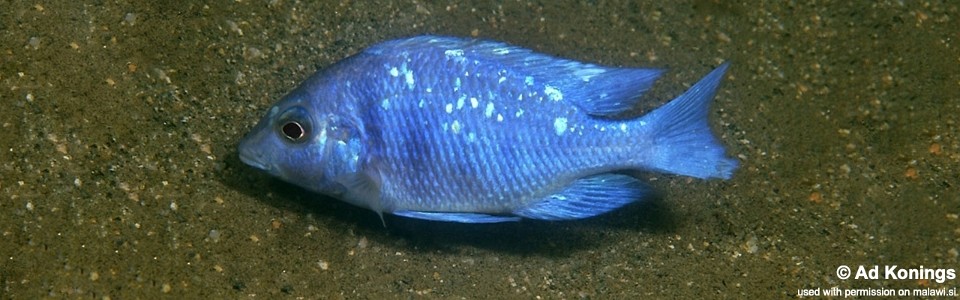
586 197
456 217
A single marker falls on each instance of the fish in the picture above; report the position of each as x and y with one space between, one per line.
470 130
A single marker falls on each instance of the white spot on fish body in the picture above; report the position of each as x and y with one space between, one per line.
489 111
385 103
502 79
474 102
471 137
499 118
643 123
623 127
429 90
394 72
553 93
519 112
528 80
456 84
449 108
560 125
453 53
455 127
460 101
422 102
409 77
501 51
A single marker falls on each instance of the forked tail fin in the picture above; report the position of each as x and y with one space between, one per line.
682 142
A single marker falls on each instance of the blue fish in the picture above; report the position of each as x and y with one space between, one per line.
475 131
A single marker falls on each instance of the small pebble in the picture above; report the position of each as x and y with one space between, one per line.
911 173
323 265
130 19
815 197
33 42
935 149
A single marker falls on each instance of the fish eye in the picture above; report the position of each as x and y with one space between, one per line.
293 131
294 124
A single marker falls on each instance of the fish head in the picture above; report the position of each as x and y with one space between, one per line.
301 144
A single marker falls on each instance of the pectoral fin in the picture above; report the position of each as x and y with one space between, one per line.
364 188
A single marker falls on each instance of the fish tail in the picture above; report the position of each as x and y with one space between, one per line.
682 142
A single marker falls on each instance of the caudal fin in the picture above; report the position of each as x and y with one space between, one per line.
682 141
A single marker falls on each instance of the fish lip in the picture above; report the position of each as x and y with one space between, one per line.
252 160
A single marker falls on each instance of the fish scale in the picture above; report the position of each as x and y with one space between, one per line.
475 131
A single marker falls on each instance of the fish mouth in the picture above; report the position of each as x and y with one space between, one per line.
256 160
252 159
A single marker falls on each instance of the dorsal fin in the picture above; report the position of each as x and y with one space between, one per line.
598 90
